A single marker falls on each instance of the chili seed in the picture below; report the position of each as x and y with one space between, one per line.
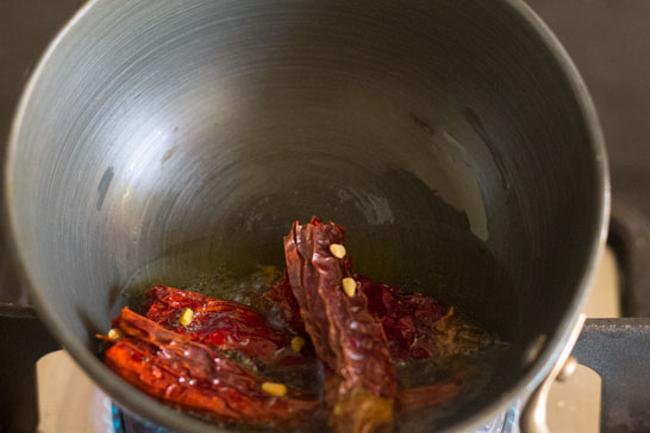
186 317
114 334
274 389
337 250
297 343
349 286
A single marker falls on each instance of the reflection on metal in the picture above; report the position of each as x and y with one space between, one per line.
569 367
533 415
534 349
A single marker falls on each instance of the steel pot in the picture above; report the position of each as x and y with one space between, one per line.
159 139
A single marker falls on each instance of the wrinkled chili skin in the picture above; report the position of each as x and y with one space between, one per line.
172 368
357 338
409 319
312 306
190 375
281 296
346 337
225 325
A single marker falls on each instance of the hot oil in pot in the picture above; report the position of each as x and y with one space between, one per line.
467 354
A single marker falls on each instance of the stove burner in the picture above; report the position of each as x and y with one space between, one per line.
124 423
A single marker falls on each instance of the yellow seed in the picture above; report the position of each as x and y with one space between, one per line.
349 286
448 315
114 334
337 250
443 324
274 389
297 343
186 317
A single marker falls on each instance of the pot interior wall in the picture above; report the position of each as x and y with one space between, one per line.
163 141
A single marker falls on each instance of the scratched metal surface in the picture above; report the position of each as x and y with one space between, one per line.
157 115
607 39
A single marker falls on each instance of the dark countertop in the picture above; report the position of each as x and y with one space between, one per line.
609 40
25 30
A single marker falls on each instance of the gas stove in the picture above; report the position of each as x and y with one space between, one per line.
610 43
95 413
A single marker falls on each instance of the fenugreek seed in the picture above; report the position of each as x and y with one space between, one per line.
186 317
114 334
297 343
349 286
337 250
274 389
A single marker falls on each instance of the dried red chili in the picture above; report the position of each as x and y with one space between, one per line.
358 327
280 296
413 322
408 319
346 337
226 325
189 375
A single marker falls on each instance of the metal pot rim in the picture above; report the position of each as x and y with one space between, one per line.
147 407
